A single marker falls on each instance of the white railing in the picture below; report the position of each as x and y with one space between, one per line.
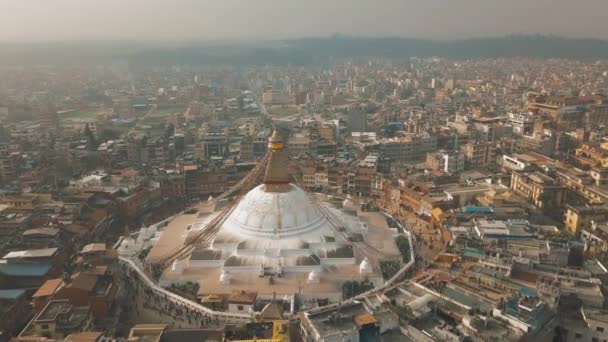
228 316
405 267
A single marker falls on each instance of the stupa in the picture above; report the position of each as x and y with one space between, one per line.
277 239
275 226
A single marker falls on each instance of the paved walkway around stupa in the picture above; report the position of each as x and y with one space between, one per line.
173 234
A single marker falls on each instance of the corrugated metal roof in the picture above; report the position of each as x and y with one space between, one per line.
11 294
25 270
31 253
48 288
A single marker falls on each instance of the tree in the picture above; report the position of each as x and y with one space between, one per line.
390 131
5 134
371 108
240 101
61 167
352 288
406 94
108 134
90 161
91 143
403 245
169 131
388 268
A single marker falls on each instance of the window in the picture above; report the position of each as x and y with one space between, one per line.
240 308
600 329
578 335
45 327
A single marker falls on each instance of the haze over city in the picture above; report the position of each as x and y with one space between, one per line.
186 20
303 171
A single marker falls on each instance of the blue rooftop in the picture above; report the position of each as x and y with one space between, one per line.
11 294
524 291
25 269
473 253
474 210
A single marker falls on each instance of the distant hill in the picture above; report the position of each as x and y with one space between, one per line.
510 46
305 51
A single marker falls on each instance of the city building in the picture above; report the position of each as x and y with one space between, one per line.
577 218
479 154
57 320
540 189
446 161
345 322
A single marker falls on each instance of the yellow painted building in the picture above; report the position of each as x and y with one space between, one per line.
593 155
280 333
579 217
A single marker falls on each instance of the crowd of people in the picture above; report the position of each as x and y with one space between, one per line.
146 300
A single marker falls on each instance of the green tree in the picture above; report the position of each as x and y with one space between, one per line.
352 288
91 142
90 161
62 167
406 94
240 101
169 131
403 244
388 268
108 134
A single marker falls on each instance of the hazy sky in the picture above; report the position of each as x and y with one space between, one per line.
27 20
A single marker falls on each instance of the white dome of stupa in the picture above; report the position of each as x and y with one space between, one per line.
365 267
277 215
276 209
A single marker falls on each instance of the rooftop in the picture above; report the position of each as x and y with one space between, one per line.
53 309
93 248
31 253
88 336
48 288
24 269
12 294
333 320
45 231
242 297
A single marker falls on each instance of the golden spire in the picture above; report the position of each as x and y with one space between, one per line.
275 142
276 178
